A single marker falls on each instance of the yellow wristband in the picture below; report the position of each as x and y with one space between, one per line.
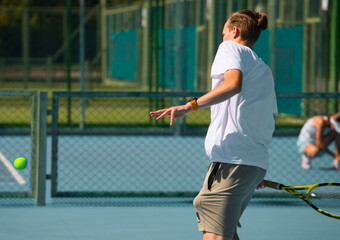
193 103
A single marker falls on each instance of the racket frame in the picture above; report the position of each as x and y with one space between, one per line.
292 190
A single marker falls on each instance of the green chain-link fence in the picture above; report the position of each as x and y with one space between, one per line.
110 151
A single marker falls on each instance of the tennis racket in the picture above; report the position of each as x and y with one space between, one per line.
323 197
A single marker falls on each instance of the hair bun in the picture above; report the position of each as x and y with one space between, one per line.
262 21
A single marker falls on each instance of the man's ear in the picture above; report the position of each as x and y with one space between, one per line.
236 32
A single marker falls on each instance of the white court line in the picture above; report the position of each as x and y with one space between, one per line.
12 170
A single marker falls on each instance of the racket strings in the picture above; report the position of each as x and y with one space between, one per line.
326 198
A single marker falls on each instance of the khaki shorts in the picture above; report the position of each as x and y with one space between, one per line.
219 209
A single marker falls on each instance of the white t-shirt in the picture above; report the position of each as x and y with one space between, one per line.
241 127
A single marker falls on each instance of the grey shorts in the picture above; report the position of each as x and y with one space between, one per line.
219 209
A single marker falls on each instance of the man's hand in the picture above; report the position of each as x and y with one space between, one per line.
261 185
172 112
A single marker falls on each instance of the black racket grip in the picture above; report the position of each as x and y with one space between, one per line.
271 184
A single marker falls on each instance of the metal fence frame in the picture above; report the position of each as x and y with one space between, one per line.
179 128
38 133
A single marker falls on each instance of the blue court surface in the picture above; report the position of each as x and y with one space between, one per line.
262 220
159 223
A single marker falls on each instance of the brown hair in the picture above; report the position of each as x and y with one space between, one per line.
250 23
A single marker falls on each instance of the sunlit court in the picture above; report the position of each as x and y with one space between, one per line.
116 116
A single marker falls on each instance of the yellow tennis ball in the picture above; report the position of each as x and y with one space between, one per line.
20 163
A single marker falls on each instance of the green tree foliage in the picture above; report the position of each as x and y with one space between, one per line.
11 12
45 28
10 24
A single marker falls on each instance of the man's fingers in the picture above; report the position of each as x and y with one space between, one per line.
159 112
156 113
170 112
162 115
172 116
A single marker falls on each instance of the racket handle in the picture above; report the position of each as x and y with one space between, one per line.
271 184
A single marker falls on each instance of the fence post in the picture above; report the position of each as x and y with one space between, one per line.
2 64
103 36
54 170
25 47
88 75
334 50
272 5
39 146
49 71
210 19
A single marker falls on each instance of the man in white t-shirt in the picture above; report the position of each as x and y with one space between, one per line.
243 103
241 127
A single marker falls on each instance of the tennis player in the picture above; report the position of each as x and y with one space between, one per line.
243 103
315 137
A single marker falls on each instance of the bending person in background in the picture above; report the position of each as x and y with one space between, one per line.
315 137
